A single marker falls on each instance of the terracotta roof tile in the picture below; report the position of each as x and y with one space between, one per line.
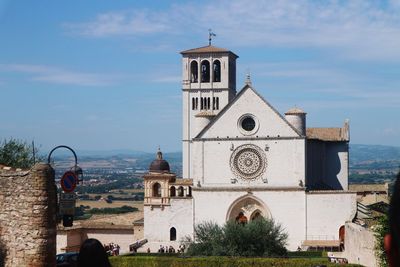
326 134
369 187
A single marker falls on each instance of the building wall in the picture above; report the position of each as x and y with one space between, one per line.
71 239
337 167
327 211
158 222
28 216
285 161
286 207
359 244
122 237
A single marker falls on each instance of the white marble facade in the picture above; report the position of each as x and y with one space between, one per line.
240 155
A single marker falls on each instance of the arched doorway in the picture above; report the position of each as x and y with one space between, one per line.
247 208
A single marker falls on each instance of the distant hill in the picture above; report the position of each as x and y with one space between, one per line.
363 159
370 153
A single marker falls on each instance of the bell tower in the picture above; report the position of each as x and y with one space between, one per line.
208 85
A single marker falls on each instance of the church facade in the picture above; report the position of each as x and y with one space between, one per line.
243 159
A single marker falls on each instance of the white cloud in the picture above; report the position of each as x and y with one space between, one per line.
57 75
359 29
121 23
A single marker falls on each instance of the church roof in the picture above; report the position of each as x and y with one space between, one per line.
207 49
228 106
327 134
159 164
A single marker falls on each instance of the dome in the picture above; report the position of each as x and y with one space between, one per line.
294 111
159 164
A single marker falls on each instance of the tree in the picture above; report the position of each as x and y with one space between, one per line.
17 153
260 237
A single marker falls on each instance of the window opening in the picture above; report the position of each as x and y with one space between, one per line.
217 71
156 190
180 191
205 71
172 234
172 191
194 72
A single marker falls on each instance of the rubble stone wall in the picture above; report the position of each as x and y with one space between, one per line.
28 202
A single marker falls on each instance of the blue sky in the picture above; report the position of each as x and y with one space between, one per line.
100 75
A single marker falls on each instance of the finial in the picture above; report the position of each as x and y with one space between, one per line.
210 35
248 80
159 153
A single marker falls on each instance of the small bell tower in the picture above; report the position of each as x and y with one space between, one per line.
208 85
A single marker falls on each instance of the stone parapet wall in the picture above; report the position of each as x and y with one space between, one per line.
28 203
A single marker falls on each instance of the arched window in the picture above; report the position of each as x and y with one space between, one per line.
172 191
190 191
180 191
201 103
197 102
193 104
217 103
172 234
194 72
205 71
208 103
156 190
217 71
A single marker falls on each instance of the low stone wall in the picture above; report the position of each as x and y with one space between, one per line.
28 217
359 245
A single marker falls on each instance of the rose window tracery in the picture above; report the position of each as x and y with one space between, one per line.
248 162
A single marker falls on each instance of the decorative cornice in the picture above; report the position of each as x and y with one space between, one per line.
246 188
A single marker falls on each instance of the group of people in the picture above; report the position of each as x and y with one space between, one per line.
112 249
166 249
170 249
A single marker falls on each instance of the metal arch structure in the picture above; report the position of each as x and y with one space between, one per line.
76 168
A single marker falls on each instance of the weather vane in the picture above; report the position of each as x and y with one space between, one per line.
210 35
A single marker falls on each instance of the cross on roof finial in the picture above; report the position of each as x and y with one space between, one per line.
248 80
210 35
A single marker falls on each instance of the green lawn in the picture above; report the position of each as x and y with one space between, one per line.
174 261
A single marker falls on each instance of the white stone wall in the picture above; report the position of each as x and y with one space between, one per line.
285 207
337 165
359 244
326 212
270 124
158 222
285 162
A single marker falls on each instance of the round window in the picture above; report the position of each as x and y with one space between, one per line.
248 124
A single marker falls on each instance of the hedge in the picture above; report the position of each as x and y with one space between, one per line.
153 261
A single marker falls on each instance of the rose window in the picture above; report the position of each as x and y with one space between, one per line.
248 162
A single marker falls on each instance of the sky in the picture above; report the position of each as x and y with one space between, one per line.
104 75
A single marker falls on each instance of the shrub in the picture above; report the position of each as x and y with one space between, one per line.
259 237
